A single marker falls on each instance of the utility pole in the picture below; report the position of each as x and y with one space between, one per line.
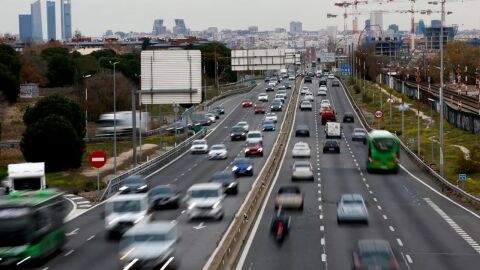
441 88
114 121
216 71
418 111
134 130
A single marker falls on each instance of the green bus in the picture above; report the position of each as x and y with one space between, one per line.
31 226
383 151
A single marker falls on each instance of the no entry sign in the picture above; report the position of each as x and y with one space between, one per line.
378 114
98 159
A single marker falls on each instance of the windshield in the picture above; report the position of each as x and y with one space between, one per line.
162 190
16 229
237 129
126 206
198 143
384 144
241 161
204 193
134 180
31 183
218 147
302 165
254 135
107 123
268 123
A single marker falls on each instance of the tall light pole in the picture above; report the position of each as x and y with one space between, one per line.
114 120
431 127
86 104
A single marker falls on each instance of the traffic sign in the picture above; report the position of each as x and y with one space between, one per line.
378 114
411 140
462 177
98 159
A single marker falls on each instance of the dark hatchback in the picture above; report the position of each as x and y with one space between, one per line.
164 196
302 131
228 181
308 79
331 146
276 106
134 184
238 134
348 117
220 109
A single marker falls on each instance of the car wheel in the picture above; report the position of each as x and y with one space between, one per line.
301 207
235 191
324 151
261 154
220 217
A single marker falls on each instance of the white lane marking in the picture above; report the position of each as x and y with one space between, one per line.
24 260
324 257
320 216
368 186
385 217
320 207
322 228
77 198
91 237
374 199
167 263
391 228
68 253
400 243
405 260
322 241
379 207
69 195
83 202
453 225
409 259
371 192
72 232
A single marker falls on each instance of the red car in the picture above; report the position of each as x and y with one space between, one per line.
254 149
327 115
247 103
259 109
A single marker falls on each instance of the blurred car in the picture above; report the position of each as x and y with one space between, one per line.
163 196
202 119
309 97
302 130
238 133
323 87
204 200
281 97
276 105
220 109
352 208
263 97
218 151
305 105
211 116
271 117
244 125
254 149
216 113
259 109
331 146
321 92
134 184
325 106
228 181
288 85
247 103
302 170
199 146
272 83
176 127
268 125
270 88
304 90
359 134
282 87
289 197
331 76
291 77
335 83
325 102
301 149
267 79
308 79
242 166
255 136
348 117
374 254
283 92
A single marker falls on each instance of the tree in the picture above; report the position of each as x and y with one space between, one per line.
9 73
145 44
61 71
34 68
222 54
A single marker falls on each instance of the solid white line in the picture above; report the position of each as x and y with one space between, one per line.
322 228
384 217
409 259
68 253
391 228
379 207
90 238
167 263
399 242
374 199
84 202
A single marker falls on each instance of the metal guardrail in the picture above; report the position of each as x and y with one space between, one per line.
226 254
444 183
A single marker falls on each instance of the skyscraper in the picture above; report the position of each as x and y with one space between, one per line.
51 21
180 28
393 27
295 27
376 20
158 28
367 25
36 13
66 15
25 27
421 27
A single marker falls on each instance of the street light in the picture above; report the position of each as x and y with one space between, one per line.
431 126
114 120
86 105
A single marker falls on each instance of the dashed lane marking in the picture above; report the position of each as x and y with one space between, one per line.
391 228
400 243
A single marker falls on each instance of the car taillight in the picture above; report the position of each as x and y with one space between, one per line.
393 263
260 149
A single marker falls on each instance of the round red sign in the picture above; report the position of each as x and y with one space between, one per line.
378 114
98 159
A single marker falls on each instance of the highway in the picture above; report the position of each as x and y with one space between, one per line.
88 248
426 229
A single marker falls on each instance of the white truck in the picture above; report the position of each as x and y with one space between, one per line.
124 123
333 130
283 73
26 176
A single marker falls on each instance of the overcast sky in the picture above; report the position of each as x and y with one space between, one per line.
94 17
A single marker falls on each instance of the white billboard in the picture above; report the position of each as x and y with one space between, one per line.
171 76
326 57
263 59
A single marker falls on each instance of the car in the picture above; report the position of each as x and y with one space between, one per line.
199 146
272 83
327 114
331 146
288 85
271 116
218 151
202 119
281 97
302 170
331 76
254 149
352 208
309 97
134 184
282 87
268 125
323 87
220 109
267 79
242 166
325 102
277 105
247 103
289 197
321 92
305 105
291 77
302 130
304 90
359 134
123 211
204 200
270 88
335 83
348 117
211 116
301 149
322 81
244 125
176 127
228 181
238 133
308 79
263 97
283 92
374 254
255 136
216 113
259 109
164 196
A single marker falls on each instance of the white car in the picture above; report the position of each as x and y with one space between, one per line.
331 76
255 136
123 211
283 92
321 92
263 97
281 96
323 87
218 151
325 102
271 117
272 83
304 90
205 200
309 97
301 149
302 170
244 125
291 77
199 146
211 116
305 105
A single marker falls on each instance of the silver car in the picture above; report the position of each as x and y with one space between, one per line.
306 105
301 149
271 117
218 151
302 170
244 125
352 208
289 197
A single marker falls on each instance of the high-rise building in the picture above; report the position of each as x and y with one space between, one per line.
394 28
51 21
159 28
180 28
436 23
36 13
421 28
367 25
376 20
295 27
280 30
66 16
25 27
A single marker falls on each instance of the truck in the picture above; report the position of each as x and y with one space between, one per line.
327 115
26 176
124 123
284 73
333 130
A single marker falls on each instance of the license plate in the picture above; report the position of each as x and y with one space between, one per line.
331 149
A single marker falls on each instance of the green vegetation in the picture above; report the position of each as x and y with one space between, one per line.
9 73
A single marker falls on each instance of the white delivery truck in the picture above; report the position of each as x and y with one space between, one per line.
283 73
26 176
333 130
124 123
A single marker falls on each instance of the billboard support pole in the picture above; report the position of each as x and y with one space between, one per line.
134 128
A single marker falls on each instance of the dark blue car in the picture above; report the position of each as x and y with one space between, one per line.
242 166
268 126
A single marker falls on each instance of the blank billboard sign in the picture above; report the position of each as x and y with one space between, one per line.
171 76
263 59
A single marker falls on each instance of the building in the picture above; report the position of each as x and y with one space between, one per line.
66 16
420 29
436 23
376 20
253 29
295 27
432 36
280 30
36 13
180 29
394 28
51 21
212 30
25 27
158 28
367 25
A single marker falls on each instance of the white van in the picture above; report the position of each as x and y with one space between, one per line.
124 211
204 200
333 130
26 176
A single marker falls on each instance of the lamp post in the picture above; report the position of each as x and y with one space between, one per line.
86 105
114 120
431 126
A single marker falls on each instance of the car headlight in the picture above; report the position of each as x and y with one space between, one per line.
246 150
271 107
217 204
249 168
260 149
191 206
123 188
143 187
243 133
234 168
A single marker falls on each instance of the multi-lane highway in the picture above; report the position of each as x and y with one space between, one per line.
425 228
87 247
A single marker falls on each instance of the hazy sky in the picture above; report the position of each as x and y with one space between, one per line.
94 17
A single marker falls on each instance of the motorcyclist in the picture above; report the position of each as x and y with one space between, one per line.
280 219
